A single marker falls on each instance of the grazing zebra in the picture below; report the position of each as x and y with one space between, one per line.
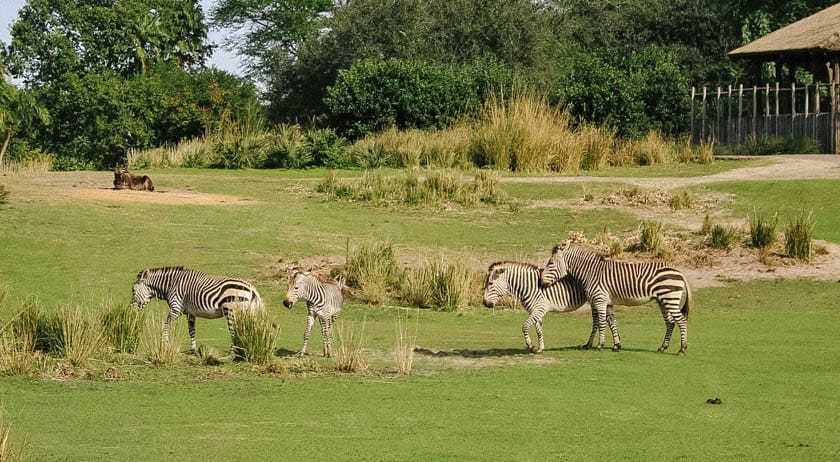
610 283
522 281
323 300
196 294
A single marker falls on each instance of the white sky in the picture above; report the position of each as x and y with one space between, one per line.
221 58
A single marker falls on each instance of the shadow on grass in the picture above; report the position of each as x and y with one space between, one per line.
284 352
496 352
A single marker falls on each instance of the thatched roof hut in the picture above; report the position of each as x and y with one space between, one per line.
812 43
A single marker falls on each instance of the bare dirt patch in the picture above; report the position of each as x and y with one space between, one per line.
173 197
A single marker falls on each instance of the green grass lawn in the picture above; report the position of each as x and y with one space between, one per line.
765 348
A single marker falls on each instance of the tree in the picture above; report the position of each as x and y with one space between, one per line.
53 38
17 108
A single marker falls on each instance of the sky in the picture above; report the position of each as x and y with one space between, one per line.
221 58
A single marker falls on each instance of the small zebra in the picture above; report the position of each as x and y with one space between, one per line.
522 281
323 300
609 283
196 294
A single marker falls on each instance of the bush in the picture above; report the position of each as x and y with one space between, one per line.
722 237
82 335
372 268
763 230
374 95
440 285
769 145
799 236
255 336
706 227
681 200
651 237
123 327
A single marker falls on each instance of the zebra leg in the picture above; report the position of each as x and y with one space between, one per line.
602 325
309 321
325 334
613 328
191 324
538 325
683 324
526 327
174 313
588 344
230 316
669 326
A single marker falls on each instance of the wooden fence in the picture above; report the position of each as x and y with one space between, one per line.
731 115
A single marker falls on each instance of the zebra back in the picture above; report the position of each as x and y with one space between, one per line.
197 288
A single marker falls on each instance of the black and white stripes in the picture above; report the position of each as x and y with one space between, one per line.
195 294
609 283
323 300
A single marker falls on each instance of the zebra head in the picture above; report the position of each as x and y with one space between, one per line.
295 289
556 267
141 293
496 285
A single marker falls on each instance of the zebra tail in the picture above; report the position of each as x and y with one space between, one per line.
687 305
256 300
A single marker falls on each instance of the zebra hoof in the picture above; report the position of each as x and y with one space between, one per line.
681 352
599 348
661 349
616 347
585 346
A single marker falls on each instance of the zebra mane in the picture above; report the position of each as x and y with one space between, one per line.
321 278
150 271
509 262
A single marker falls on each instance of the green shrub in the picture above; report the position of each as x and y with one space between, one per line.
123 327
255 336
372 269
769 145
373 95
722 237
450 285
706 227
681 200
799 236
763 230
82 334
651 237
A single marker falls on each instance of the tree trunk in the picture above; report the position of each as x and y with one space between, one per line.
5 144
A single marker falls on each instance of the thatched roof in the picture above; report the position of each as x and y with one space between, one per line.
818 34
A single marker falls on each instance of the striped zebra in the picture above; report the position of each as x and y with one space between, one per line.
195 294
608 283
522 281
323 300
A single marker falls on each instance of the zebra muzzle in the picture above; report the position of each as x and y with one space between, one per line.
287 303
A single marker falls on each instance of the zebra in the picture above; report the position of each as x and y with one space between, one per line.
522 281
608 283
196 294
323 300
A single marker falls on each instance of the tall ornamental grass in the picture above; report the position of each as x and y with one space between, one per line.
799 236
372 269
123 327
763 230
255 336
349 349
82 334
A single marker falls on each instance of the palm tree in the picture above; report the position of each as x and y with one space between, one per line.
17 108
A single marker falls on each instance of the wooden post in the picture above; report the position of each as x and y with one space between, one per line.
766 109
738 127
693 93
817 98
792 131
755 110
729 114
832 92
703 122
716 132
776 125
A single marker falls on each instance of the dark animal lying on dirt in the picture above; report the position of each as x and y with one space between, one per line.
125 180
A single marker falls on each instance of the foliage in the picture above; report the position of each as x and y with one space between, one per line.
52 39
349 353
799 236
123 327
681 200
18 113
4 195
763 230
723 237
82 336
764 145
651 237
634 94
255 336
372 269
374 95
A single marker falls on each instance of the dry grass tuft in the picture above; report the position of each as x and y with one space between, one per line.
349 353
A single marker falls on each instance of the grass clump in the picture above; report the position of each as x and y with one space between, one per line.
404 344
706 227
123 327
440 285
152 345
681 200
8 451
799 236
4 195
763 230
82 336
372 269
722 237
349 353
651 237
255 336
